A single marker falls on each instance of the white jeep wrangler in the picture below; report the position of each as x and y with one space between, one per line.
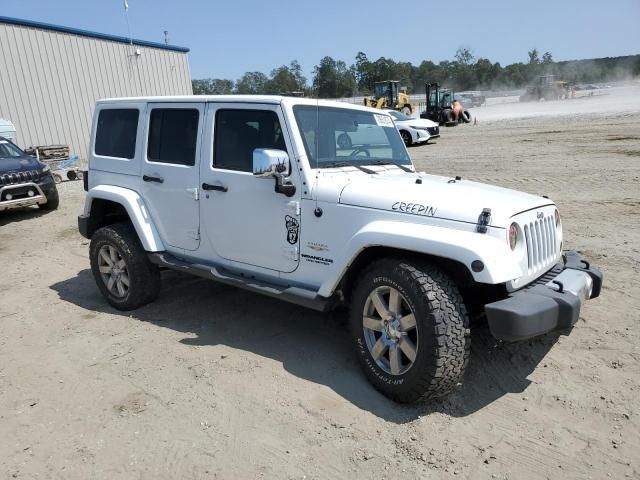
256 192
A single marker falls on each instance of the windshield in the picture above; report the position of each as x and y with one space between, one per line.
398 116
8 150
337 135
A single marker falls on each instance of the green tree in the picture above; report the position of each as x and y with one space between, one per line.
547 58
286 79
212 86
332 79
534 56
464 56
363 72
252 83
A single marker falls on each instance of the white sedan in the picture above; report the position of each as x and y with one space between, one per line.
414 130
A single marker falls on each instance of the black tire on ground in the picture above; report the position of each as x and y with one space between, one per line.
466 116
441 334
143 276
447 117
406 138
53 201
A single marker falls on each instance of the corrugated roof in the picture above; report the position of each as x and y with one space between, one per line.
87 33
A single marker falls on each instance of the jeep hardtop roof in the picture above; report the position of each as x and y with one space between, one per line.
269 99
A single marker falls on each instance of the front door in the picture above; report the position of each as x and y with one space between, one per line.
245 220
170 171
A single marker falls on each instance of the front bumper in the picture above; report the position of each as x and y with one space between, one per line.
550 303
16 195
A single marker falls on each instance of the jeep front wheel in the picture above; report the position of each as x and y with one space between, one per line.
411 330
121 268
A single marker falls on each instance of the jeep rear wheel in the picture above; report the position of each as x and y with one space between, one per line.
411 330
123 273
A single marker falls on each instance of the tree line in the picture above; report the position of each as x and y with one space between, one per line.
335 79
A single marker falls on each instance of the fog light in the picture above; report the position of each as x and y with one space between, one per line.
8 196
31 193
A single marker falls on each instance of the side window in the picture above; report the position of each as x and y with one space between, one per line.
116 133
239 132
173 134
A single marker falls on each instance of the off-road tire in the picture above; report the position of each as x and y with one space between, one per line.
442 323
144 276
53 201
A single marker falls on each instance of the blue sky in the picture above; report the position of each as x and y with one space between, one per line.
227 38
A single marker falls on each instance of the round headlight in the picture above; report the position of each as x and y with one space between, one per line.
557 218
513 236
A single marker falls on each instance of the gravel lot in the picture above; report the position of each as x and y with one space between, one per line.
214 382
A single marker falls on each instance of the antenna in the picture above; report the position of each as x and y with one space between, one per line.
166 37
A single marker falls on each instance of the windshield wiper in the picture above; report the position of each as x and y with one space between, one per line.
348 164
391 162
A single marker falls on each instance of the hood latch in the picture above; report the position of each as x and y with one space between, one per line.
483 220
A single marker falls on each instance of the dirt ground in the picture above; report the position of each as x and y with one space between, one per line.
214 382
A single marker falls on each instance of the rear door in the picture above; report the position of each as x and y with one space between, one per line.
170 171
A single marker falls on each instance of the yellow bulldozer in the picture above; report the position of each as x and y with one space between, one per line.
389 94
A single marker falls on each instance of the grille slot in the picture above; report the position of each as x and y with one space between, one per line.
19 177
542 243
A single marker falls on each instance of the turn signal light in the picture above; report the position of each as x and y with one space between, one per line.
513 236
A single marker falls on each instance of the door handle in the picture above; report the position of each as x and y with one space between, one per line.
147 178
219 188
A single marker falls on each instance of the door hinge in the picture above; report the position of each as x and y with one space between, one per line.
195 192
292 207
291 252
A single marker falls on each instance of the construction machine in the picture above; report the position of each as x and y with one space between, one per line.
441 107
389 94
546 87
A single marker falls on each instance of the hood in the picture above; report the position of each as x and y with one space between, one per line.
421 122
18 164
438 197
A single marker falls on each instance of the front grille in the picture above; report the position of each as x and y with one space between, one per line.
433 130
542 243
19 177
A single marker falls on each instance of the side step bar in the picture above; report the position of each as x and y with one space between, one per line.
299 296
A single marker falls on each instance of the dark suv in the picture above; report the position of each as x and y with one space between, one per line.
24 180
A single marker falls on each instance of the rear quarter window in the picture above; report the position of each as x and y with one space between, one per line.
116 133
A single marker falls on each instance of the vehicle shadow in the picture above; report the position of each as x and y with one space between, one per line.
311 345
20 214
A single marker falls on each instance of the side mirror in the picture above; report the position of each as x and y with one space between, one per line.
269 163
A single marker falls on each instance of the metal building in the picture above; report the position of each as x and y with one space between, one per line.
51 76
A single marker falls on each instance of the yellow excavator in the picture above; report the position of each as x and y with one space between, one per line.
388 94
